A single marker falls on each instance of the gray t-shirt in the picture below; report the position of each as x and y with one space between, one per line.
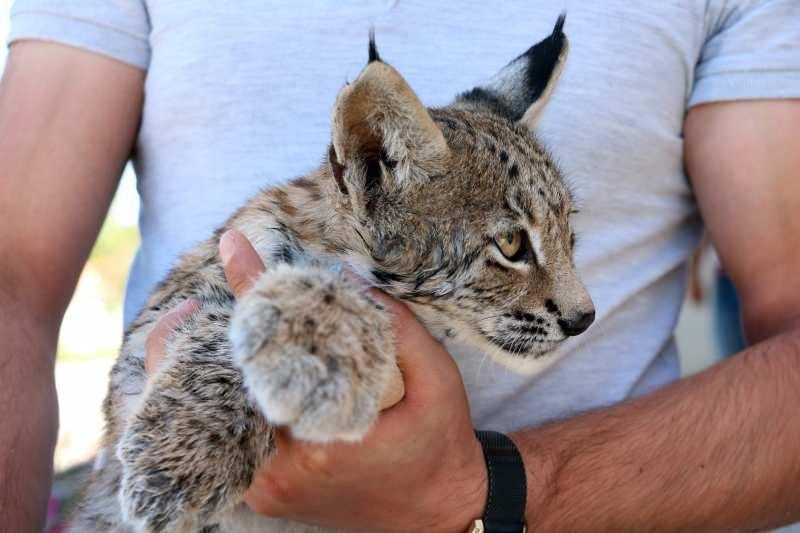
238 97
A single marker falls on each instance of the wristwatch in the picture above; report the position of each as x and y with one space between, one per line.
505 501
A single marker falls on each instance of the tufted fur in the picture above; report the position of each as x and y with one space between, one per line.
411 199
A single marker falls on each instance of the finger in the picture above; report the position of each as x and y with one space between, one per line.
424 363
421 358
269 493
240 260
156 342
396 390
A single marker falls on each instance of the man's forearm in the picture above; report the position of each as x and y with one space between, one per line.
715 452
29 415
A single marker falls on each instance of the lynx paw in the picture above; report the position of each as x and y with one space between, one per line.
150 499
190 449
315 353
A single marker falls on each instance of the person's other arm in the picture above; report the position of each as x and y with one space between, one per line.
718 451
68 120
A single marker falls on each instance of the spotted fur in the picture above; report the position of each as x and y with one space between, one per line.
411 199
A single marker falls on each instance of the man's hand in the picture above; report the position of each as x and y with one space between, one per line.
419 469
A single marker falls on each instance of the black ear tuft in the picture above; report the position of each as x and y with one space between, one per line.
558 30
543 59
513 90
373 50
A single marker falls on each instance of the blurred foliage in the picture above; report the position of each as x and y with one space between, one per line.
111 258
92 327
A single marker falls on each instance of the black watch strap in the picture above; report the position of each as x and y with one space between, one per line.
505 503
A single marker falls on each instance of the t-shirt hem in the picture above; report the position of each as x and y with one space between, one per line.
750 85
112 42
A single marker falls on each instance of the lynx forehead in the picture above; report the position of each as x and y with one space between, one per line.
459 211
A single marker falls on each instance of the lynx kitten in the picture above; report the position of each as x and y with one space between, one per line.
458 211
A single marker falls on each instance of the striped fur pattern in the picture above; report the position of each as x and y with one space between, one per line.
410 198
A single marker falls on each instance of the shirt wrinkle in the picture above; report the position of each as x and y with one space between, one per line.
94 22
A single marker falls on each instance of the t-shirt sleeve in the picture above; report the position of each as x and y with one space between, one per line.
752 51
119 29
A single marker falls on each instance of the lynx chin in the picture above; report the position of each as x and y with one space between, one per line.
458 211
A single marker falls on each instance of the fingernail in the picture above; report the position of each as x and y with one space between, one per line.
227 246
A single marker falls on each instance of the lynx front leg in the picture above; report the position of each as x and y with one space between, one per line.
191 447
315 352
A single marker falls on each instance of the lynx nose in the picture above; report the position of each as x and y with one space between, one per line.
577 325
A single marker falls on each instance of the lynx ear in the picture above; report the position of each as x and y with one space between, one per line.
521 89
378 119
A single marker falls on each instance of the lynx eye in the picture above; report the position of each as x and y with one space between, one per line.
512 245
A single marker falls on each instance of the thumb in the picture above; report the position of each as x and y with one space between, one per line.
240 260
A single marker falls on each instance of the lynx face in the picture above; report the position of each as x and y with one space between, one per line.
461 212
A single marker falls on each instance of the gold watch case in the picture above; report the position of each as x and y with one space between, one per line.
477 527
